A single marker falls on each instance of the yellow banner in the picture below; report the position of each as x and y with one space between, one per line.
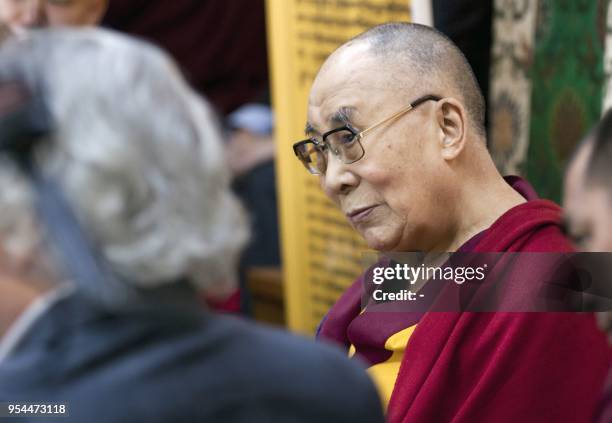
321 253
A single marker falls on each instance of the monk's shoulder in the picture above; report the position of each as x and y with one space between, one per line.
548 238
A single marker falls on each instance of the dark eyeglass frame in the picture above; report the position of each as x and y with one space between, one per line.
322 144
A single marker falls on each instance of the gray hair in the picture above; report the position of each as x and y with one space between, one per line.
137 152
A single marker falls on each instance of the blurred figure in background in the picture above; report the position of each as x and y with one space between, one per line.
139 159
588 214
21 15
588 189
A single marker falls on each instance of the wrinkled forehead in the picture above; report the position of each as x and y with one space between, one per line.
350 83
347 66
360 84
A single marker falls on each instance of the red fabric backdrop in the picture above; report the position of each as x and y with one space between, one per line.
221 45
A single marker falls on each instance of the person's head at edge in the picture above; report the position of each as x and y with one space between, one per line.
426 180
20 15
587 198
150 188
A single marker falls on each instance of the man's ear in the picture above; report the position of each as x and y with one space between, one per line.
452 121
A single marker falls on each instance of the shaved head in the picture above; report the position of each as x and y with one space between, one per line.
424 57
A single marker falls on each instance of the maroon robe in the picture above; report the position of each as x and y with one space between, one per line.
487 367
604 412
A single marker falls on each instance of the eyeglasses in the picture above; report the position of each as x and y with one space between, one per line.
343 142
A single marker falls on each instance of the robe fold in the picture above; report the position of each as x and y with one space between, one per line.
486 367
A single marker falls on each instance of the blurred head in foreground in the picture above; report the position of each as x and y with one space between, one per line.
137 154
21 15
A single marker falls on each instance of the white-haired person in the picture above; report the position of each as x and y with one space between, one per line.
109 153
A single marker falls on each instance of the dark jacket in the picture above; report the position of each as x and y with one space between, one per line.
165 363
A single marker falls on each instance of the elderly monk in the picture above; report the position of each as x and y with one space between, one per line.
396 135
588 207
21 15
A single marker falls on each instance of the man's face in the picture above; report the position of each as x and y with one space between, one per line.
389 195
587 207
21 15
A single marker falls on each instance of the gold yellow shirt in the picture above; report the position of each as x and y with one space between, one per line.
385 374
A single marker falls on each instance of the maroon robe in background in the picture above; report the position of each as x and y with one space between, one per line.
220 44
492 367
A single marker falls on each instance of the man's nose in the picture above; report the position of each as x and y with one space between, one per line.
338 178
34 13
